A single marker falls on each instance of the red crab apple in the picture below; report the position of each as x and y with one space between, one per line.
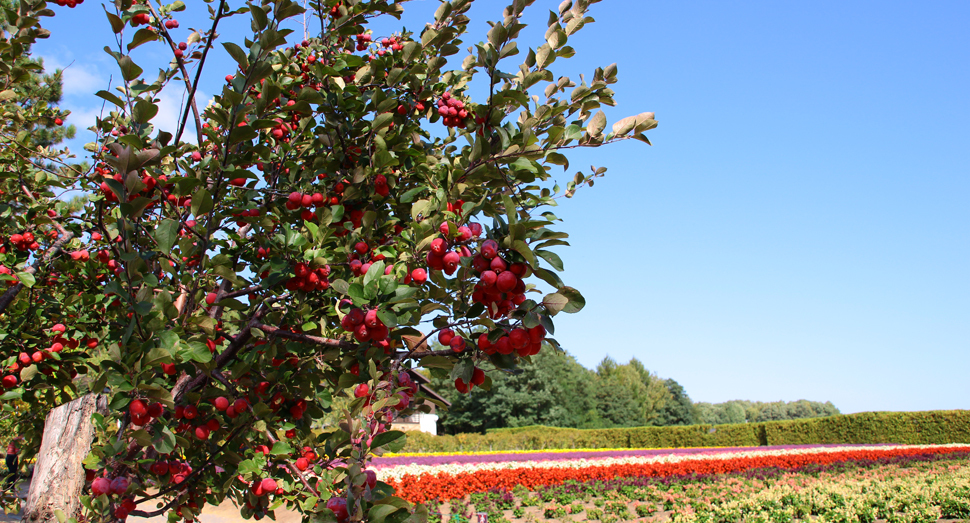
419 275
138 408
489 249
478 376
119 485
339 507
445 336
371 478
100 486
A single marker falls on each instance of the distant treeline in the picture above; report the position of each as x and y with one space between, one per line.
555 390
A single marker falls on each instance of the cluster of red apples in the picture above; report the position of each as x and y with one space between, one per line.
365 325
307 279
24 242
452 111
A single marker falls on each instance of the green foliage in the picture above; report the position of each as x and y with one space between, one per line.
233 264
552 389
872 427
555 390
739 411
678 410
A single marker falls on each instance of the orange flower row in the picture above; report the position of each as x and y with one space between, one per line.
445 486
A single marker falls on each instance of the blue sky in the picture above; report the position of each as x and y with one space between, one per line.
799 229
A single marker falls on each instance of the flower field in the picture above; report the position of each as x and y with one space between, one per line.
894 483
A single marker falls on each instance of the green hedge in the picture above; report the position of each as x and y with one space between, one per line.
941 426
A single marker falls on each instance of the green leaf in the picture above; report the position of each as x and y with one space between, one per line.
237 54
260 21
596 124
382 120
375 271
392 440
201 202
199 352
27 279
166 234
117 25
437 362
520 247
142 437
551 257
144 111
129 69
555 302
143 35
281 448
8 94
248 467
576 300
387 317
164 441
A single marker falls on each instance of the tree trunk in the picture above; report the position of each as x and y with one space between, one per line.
58 474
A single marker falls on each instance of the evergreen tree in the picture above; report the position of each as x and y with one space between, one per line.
679 410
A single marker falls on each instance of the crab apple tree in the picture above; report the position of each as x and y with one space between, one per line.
344 201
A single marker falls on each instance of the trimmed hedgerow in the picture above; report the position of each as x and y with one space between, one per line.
941 426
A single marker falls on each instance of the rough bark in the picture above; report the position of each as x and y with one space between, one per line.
58 474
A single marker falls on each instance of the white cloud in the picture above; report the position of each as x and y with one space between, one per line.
171 108
80 78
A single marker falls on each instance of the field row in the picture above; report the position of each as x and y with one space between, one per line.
900 489
419 483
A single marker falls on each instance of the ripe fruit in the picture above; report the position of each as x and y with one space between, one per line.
202 432
457 344
268 485
9 381
210 298
371 478
339 507
439 246
119 485
240 405
56 329
361 390
445 336
451 262
100 486
478 376
302 464
190 412
489 249
506 281
419 275
221 403
138 408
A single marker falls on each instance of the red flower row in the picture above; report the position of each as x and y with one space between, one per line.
445 486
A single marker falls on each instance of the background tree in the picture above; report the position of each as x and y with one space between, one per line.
679 410
553 389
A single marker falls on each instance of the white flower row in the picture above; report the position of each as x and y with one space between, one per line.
400 471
